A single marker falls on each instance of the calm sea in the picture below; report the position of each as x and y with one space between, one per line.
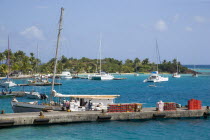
131 90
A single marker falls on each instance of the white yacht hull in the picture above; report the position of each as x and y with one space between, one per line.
66 75
156 78
176 75
101 77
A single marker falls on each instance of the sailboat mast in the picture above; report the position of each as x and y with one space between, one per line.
37 64
157 53
58 40
8 60
100 52
177 65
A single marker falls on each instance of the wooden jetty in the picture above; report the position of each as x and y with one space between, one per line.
38 84
59 117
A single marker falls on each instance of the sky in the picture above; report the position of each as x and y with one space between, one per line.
129 28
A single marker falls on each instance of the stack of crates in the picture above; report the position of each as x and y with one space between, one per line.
194 104
127 107
169 106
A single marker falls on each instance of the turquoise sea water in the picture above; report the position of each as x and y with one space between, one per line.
131 90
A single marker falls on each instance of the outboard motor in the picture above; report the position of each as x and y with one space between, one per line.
43 96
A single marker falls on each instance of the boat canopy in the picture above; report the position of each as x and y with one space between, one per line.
89 96
85 96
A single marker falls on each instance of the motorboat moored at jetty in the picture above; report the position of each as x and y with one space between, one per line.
35 95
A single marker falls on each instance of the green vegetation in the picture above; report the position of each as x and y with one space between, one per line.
19 61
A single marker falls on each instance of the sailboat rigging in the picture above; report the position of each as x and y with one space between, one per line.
176 74
7 81
155 77
101 75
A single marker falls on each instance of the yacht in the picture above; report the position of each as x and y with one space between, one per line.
194 75
66 75
155 77
101 76
7 82
176 74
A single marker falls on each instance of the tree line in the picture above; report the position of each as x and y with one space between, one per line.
19 61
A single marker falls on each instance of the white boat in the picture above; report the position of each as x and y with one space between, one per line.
75 102
195 73
155 77
176 74
19 107
136 74
66 75
7 82
35 95
101 75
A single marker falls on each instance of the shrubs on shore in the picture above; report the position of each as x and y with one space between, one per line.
19 61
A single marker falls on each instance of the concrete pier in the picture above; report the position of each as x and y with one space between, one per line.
56 117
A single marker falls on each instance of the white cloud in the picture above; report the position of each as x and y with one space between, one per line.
33 32
199 19
161 25
189 29
176 17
